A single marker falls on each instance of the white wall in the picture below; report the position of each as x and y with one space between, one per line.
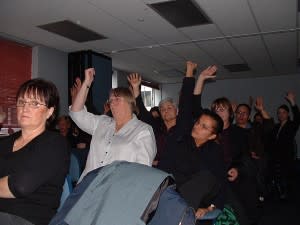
272 89
52 65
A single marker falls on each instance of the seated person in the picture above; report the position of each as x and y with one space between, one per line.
33 161
196 156
121 137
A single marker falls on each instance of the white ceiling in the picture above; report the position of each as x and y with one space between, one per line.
264 34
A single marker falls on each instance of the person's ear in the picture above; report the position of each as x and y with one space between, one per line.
50 112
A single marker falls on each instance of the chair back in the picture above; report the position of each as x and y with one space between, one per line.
67 189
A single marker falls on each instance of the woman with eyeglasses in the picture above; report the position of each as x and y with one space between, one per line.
33 161
120 137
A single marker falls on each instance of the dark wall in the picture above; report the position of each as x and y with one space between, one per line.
78 62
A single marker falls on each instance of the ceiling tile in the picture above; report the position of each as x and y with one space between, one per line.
231 17
283 51
275 14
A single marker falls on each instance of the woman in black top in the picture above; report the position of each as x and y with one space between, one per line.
33 161
282 149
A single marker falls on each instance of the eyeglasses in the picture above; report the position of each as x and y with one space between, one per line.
205 127
242 113
32 103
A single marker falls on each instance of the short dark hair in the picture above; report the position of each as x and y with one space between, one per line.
284 107
245 105
41 89
219 122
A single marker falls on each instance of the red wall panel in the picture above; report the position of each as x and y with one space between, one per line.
15 64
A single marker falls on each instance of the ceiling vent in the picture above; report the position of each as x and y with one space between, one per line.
72 31
181 13
237 67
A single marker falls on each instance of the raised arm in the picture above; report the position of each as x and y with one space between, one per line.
259 106
81 96
291 98
135 81
184 120
208 73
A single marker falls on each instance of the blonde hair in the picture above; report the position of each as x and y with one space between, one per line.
126 94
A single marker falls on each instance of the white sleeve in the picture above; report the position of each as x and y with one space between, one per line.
86 121
145 147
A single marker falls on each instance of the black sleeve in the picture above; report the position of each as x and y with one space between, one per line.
197 106
296 118
145 116
184 122
49 158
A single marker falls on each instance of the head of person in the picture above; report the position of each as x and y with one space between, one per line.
167 109
223 108
258 118
242 115
207 127
121 102
283 113
64 124
37 103
155 112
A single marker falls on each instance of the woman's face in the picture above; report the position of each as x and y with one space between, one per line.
223 112
204 129
119 106
32 113
168 111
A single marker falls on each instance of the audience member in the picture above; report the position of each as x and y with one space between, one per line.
282 143
242 115
33 161
167 107
122 137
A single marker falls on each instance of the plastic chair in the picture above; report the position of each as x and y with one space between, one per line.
67 189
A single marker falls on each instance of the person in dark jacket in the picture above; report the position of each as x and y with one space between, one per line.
283 143
171 116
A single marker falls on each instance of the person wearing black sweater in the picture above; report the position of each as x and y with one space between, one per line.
33 161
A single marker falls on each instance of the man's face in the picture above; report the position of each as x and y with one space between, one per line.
282 115
242 115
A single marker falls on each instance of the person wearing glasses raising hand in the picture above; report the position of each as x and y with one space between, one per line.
33 161
120 137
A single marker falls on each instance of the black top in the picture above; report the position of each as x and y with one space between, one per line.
36 176
283 139
183 122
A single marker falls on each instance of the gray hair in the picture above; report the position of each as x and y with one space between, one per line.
168 99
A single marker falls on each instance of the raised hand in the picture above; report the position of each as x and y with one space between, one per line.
75 88
208 73
291 97
89 76
259 104
135 81
233 106
190 67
